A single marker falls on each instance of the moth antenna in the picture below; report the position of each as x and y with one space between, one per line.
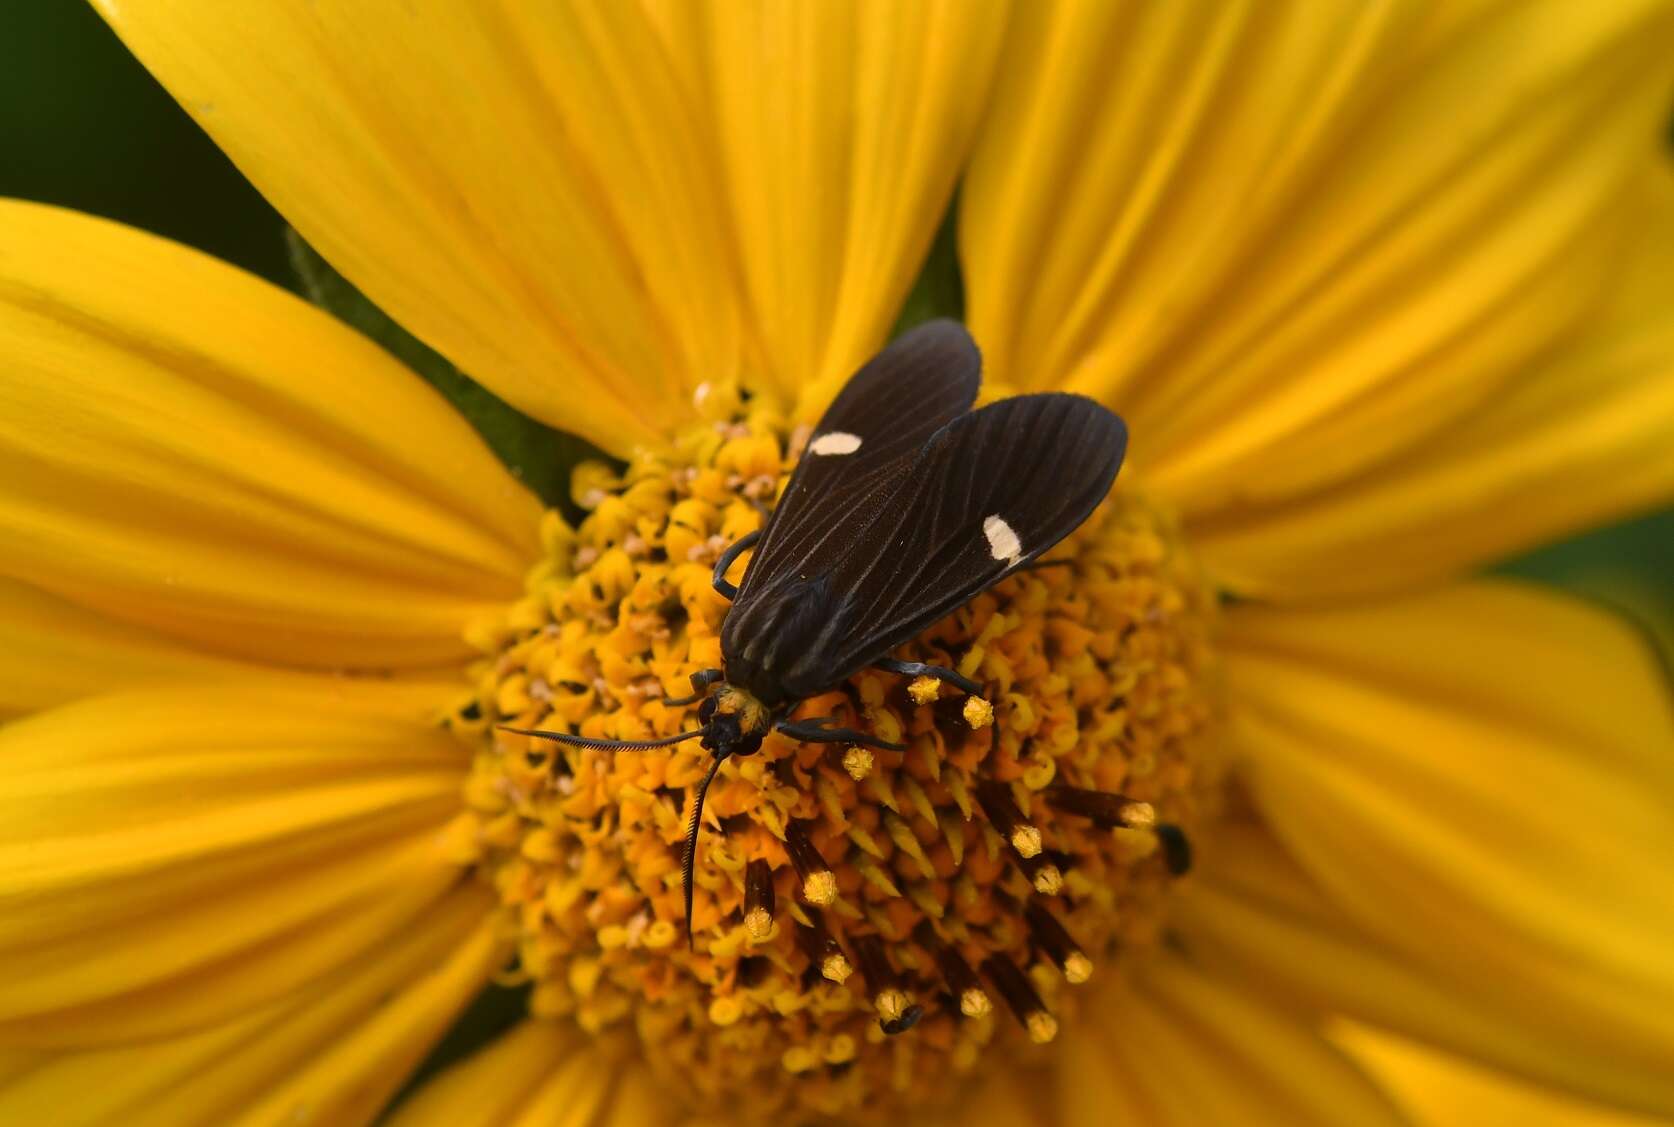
691 847
602 745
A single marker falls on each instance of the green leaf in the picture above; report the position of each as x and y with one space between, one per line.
1623 567
940 289
535 453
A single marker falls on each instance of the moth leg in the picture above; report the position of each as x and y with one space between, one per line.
726 590
816 734
701 680
919 669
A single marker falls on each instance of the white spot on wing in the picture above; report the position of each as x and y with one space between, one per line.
1003 543
836 442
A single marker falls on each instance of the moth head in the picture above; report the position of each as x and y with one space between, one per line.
734 722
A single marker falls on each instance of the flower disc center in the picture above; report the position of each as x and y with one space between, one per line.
867 924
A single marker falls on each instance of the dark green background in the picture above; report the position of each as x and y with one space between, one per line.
81 124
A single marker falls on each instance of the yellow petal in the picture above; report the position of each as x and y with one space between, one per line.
53 651
190 449
1581 439
541 1074
489 1086
1287 240
1478 778
333 1053
1442 1091
1011 1097
593 208
841 128
1256 914
1183 1048
177 856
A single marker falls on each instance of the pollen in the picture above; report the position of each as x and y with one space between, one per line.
857 761
868 926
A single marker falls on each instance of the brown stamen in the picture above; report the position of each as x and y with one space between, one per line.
896 1011
1043 872
1002 811
819 883
822 950
758 898
1056 942
1019 993
961 980
1104 808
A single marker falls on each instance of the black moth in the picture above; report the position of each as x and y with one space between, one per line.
905 505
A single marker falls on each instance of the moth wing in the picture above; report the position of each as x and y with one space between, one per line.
991 491
865 441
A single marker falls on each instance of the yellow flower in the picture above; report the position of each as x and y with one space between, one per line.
1382 293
